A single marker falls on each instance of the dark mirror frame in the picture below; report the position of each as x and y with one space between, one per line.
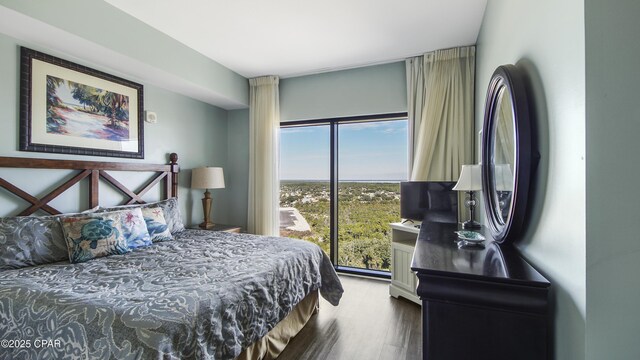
509 78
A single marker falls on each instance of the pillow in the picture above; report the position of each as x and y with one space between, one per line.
91 236
32 240
134 226
172 214
156 223
169 208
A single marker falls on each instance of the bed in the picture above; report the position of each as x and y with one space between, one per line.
202 295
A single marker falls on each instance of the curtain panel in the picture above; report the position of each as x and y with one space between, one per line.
416 100
264 125
441 105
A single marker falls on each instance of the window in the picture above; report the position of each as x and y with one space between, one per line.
340 186
304 184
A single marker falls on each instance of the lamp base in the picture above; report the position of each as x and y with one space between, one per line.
206 210
207 225
470 224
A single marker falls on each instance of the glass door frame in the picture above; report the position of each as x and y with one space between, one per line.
334 183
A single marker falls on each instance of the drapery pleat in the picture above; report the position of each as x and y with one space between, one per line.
506 133
416 99
264 123
440 91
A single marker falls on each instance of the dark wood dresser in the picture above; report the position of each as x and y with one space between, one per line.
479 303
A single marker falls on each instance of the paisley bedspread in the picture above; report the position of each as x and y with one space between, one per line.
205 295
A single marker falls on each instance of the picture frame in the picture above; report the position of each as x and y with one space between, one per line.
69 108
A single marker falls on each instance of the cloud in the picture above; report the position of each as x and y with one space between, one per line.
387 127
295 130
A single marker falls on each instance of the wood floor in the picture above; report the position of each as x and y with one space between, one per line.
368 324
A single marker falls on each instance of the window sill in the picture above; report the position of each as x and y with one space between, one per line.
364 272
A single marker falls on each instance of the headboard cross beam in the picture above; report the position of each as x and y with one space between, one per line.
55 193
94 171
134 197
150 184
27 197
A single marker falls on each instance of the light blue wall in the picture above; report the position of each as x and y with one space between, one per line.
238 166
612 132
369 90
193 129
110 28
197 132
362 91
546 39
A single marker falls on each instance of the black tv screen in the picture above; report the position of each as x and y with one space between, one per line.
434 201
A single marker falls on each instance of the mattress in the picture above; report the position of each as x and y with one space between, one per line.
204 295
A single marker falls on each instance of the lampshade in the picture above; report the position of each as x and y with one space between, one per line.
207 178
470 178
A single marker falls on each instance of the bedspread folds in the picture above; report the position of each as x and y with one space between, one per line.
205 295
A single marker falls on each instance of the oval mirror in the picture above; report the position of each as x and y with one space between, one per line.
506 153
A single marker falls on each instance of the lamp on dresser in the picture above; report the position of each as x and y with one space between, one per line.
207 178
470 180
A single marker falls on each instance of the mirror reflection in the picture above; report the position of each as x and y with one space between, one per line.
494 264
504 155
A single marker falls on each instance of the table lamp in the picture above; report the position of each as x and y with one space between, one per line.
470 180
207 178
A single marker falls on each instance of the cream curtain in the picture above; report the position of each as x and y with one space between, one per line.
506 132
441 101
416 96
264 124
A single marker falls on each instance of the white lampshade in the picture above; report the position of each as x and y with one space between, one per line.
470 178
207 178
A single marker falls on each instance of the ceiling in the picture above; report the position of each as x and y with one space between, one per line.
293 37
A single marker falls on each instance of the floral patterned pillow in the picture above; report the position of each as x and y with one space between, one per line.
156 224
170 209
96 235
134 227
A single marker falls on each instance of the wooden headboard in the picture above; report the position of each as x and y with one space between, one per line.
93 171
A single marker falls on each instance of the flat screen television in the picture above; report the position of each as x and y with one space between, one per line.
433 201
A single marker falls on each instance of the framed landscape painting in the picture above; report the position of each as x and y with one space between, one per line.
72 109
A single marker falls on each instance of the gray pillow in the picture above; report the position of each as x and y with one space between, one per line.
30 240
169 207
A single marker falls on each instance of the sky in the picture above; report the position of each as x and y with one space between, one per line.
64 93
366 151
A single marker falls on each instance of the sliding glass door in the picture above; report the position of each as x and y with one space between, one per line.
340 186
304 184
372 160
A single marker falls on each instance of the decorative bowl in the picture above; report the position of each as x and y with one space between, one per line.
470 236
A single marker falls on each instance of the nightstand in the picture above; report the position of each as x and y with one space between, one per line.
220 227
403 281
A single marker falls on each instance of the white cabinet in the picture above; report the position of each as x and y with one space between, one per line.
403 280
